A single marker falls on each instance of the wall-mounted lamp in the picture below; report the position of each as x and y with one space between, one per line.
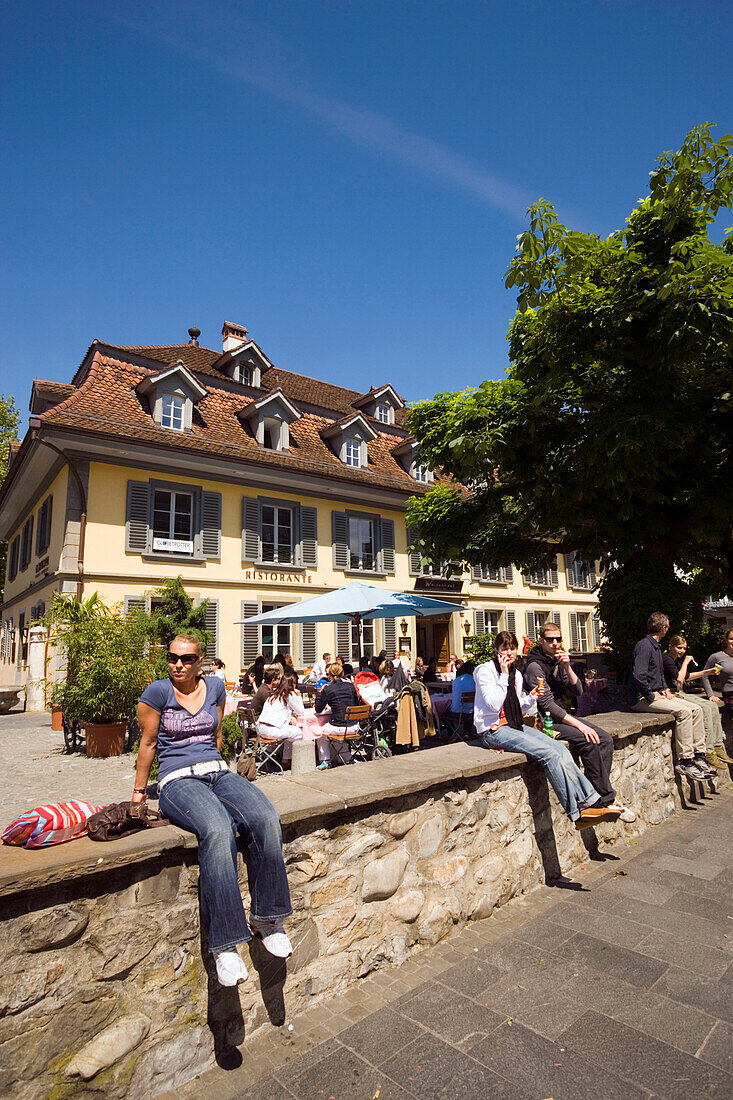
467 626
403 626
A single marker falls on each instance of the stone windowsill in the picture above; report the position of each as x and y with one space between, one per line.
297 799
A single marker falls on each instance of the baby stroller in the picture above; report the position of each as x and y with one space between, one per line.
382 728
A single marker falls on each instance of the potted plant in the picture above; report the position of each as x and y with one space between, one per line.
108 667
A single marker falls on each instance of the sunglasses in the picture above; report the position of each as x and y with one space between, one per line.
184 658
554 638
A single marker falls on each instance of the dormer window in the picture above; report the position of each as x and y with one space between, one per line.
406 453
380 402
349 438
382 413
172 412
172 395
246 373
352 452
422 473
269 419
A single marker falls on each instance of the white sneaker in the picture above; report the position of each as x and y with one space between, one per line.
230 970
273 937
624 813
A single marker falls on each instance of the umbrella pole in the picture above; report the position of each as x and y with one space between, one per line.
357 620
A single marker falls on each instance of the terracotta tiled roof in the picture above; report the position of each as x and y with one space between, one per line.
59 390
106 402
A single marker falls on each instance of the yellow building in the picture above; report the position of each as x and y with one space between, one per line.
257 485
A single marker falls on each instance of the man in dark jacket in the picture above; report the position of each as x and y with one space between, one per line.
590 744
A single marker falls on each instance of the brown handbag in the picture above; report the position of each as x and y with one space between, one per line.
121 819
247 764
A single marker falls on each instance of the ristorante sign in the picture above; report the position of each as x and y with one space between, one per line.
273 577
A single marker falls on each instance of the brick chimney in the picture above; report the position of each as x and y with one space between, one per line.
234 336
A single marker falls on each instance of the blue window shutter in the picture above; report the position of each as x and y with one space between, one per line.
251 530
211 524
340 539
309 537
250 634
137 531
308 644
388 555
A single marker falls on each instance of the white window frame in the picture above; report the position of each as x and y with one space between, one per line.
276 510
174 495
172 411
352 450
359 520
381 413
422 474
281 635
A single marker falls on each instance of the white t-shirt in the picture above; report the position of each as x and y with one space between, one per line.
319 671
276 715
491 689
219 673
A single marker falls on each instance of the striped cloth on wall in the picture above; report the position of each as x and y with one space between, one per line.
52 824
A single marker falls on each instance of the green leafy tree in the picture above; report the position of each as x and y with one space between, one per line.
480 648
9 420
174 613
611 434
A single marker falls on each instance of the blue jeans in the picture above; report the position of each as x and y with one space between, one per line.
215 807
573 790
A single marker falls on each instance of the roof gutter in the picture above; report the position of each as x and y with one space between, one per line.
35 434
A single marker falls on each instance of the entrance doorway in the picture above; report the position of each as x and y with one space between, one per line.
433 640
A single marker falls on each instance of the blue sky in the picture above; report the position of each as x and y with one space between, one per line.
345 177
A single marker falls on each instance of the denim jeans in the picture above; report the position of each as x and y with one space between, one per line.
215 807
573 790
710 718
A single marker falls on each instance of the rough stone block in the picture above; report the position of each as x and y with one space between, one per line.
54 928
109 1046
383 876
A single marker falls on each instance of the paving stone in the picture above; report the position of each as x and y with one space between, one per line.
623 886
544 934
662 1018
454 1018
605 926
433 1070
703 905
542 1069
679 924
666 1071
471 976
718 1048
547 1012
716 998
380 1035
286 1074
688 954
698 868
343 1075
612 960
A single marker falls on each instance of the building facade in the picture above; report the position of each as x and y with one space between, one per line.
259 487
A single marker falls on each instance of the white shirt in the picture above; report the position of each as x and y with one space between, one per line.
220 674
491 689
276 715
319 671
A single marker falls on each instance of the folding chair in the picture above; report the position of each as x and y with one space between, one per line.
461 727
267 751
350 742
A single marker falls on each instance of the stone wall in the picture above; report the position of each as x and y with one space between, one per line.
106 986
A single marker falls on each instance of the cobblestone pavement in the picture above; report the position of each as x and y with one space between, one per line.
36 769
619 988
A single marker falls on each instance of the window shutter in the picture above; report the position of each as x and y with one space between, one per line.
134 603
13 562
388 563
250 634
340 538
47 524
308 643
530 631
251 531
477 573
137 532
415 557
479 617
574 633
26 546
569 571
389 637
527 578
597 632
211 524
508 574
212 625
592 575
511 622
343 639
556 618
553 575
309 537
39 527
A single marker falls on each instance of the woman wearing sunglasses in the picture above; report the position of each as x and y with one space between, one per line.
181 717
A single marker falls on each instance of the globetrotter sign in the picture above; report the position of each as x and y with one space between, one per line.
277 578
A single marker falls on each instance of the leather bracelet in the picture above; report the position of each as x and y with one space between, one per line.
139 790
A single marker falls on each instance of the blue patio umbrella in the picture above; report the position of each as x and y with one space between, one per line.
355 603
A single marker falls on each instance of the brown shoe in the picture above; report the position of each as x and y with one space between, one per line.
722 756
596 815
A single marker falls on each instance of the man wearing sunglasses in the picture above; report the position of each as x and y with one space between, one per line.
591 745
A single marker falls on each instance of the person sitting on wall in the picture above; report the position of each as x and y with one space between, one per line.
649 693
273 675
501 703
678 676
280 713
181 718
723 660
590 745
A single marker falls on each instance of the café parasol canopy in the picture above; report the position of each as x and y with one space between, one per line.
355 603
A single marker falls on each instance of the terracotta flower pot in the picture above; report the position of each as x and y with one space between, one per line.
57 719
105 738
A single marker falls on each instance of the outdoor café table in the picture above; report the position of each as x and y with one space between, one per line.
440 704
232 701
